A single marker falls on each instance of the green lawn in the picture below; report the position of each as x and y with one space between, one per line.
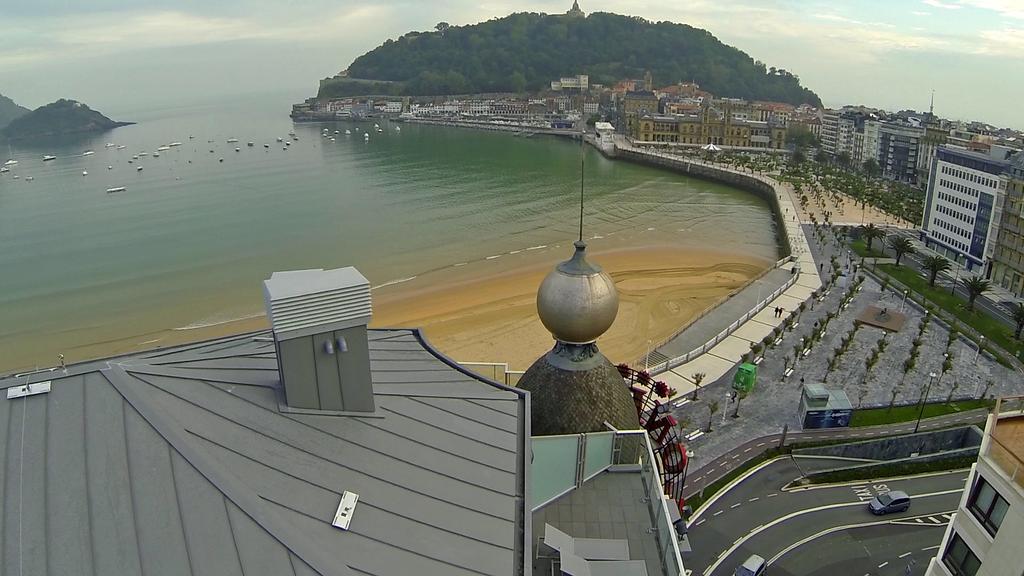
993 330
891 470
861 250
879 416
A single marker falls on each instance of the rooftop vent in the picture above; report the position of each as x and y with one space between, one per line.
319 320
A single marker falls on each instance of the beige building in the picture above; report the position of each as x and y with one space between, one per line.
1008 260
986 535
711 125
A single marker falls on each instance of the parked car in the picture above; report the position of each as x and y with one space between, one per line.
894 501
753 566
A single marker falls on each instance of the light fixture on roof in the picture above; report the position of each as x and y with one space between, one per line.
346 508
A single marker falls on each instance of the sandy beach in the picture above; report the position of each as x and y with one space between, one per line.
494 318
485 311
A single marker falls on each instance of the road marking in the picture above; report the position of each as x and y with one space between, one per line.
702 520
947 516
772 495
919 520
936 547
761 444
883 564
905 554
792 515
747 450
717 513
935 520
707 504
754 499
736 505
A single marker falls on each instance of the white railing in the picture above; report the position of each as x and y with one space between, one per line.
692 354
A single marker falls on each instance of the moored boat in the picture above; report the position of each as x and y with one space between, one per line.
116 189
48 158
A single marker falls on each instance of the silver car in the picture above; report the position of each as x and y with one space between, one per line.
753 566
894 501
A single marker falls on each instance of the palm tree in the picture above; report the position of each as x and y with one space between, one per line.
934 265
870 233
1017 313
698 377
712 408
901 245
975 286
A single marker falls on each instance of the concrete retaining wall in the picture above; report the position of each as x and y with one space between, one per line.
899 447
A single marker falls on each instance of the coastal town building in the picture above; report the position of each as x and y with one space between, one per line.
984 538
722 124
579 83
1008 260
898 145
964 205
636 104
575 11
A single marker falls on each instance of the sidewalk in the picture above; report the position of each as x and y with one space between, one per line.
722 357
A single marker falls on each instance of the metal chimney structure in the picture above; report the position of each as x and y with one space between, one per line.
319 320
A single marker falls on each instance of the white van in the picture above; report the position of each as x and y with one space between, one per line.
753 566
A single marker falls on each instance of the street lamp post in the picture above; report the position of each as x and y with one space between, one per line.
904 303
647 357
686 466
981 343
931 378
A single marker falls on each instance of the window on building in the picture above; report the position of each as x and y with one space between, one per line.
959 558
987 506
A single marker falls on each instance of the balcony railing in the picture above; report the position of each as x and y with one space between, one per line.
1005 438
562 464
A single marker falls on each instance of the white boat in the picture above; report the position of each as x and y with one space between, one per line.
48 158
292 133
109 145
163 148
221 159
135 157
156 154
398 128
110 167
250 144
266 145
232 140
85 172
88 153
175 144
139 169
122 147
280 139
238 149
10 162
287 143
334 139
348 132
338 132
376 126
4 169
143 153
15 176
116 189
366 136
29 178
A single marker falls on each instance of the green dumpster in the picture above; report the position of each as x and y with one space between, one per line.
745 377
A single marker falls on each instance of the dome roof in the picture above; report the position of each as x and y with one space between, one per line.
577 301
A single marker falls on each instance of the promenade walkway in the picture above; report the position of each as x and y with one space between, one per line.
715 343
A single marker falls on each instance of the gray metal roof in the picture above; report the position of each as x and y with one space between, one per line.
180 462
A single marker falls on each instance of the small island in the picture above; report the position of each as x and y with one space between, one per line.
60 118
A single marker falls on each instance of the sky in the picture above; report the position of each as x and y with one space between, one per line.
120 56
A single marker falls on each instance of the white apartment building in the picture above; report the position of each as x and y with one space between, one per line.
986 536
964 205
871 140
830 130
580 82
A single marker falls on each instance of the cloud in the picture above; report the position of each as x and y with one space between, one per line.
1007 42
920 13
1006 8
941 4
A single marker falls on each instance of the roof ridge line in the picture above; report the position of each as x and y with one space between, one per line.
245 499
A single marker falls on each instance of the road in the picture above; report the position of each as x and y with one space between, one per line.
790 527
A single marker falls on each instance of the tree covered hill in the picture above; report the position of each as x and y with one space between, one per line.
9 110
59 118
526 51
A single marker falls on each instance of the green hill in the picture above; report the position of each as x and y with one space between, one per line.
526 51
59 118
9 110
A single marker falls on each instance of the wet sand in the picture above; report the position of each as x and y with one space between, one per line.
485 311
494 319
